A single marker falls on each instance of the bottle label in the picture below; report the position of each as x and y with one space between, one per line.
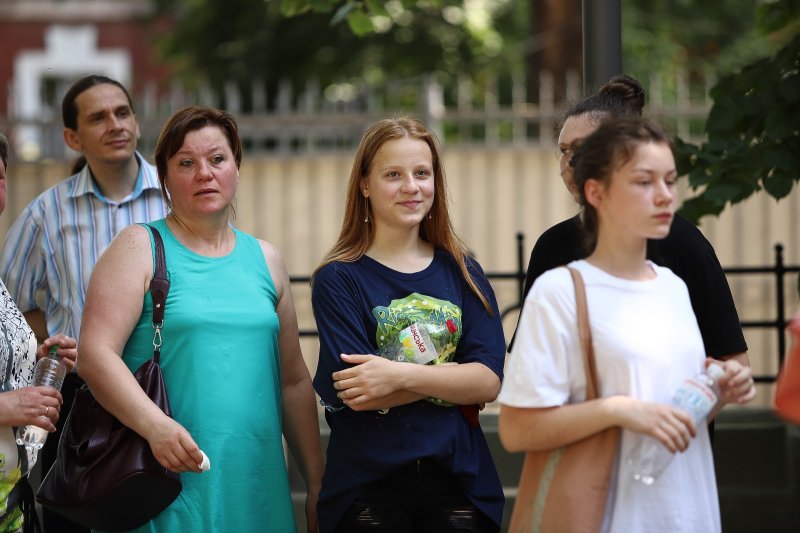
417 347
696 398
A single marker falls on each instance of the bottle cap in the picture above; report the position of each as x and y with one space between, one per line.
54 349
205 466
715 371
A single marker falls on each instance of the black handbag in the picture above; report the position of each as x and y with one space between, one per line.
105 475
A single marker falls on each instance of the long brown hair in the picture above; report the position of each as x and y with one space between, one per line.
357 236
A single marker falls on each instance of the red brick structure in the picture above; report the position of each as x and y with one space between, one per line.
56 41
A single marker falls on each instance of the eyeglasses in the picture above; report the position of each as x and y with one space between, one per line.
562 153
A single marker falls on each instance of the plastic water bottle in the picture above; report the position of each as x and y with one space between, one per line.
419 343
49 371
697 396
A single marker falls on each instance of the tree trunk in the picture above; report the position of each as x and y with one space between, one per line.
555 45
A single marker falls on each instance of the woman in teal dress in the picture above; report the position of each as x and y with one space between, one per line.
231 358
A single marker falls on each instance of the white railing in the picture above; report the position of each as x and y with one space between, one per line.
312 119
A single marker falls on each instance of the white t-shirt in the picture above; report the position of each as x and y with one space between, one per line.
646 343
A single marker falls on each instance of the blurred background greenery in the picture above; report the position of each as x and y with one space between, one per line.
752 47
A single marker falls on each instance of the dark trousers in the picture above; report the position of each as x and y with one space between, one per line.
54 522
418 498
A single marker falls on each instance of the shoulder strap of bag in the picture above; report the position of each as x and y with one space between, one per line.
585 334
159 288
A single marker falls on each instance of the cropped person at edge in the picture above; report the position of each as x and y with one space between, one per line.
53 245
22 404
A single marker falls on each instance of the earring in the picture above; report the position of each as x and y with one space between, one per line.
430 215
366 210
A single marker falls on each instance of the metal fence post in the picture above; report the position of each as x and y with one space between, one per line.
780 319
520 267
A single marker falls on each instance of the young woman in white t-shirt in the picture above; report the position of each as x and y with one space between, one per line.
645 336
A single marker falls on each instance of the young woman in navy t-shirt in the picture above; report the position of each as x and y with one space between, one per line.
406 452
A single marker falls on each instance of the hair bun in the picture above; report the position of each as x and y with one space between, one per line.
626 89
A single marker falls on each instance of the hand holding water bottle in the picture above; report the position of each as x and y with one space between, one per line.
697 396
39 406
27 405
48 373
67 350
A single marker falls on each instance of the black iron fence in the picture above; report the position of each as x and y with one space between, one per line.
778 270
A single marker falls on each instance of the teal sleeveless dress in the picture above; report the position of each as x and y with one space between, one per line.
222 372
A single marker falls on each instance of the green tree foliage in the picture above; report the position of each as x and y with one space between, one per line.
245 40
363 17
689 36
752 132
328 41
753 129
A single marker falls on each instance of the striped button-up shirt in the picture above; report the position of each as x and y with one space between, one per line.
50 250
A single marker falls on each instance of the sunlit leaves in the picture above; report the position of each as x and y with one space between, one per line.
753 134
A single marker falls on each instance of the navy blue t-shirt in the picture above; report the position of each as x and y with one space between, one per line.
357 303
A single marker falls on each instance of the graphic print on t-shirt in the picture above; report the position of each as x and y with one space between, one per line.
415 307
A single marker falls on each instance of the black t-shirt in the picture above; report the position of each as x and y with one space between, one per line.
685 251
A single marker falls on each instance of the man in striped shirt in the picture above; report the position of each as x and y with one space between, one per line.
50 250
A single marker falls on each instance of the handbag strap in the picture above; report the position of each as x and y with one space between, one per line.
585 335
159 288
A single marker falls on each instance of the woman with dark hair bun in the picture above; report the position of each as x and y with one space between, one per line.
685 250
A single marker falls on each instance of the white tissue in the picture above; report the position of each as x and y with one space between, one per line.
205 466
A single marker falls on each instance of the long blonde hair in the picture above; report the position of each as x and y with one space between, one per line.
357 236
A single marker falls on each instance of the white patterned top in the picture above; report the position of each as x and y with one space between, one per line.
17 359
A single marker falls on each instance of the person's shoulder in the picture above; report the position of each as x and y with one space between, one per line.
554 281
271 252
135 235
449 261
664 272
336 271
570 226
129 256
51 199
685 250
473 266
683 234
565 237
557 246
133 243
56 193
668 277
339 278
